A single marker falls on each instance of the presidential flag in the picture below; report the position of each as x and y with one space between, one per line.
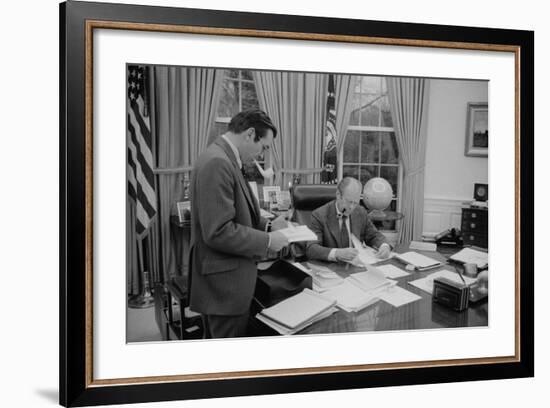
141 179
329 145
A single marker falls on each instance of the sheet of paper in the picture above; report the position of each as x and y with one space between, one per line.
418 260
266 214
350 297
323 277
469 255
299 233
366 255
370 280
397 296
392 271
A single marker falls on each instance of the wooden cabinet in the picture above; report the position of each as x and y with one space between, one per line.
475 226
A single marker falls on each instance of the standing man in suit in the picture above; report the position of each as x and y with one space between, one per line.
334 222
228 235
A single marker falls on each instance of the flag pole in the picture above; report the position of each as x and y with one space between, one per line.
145 299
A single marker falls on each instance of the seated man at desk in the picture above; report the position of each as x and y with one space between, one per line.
334 221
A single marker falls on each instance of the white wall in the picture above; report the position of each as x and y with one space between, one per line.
450 175
29 246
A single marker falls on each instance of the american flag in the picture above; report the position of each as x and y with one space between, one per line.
141 179
329 145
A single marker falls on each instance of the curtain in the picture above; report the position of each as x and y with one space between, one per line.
296 103
344 88
185 103
408 99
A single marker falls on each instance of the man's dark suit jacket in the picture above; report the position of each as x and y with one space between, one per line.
227 234
324 223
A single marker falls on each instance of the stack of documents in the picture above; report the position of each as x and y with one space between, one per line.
392 272
371 280
299 233
322 277
297 312
350 297
469 255
418 261
363 289
427 283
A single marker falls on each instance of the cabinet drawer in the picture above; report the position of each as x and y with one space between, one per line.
480 240
474 225
474 215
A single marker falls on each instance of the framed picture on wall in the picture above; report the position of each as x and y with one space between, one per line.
112 55
477 130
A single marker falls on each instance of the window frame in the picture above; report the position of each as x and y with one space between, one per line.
371 128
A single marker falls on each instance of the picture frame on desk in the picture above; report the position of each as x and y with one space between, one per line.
96 364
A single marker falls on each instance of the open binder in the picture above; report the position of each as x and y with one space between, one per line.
297 311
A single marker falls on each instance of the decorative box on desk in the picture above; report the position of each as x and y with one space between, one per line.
475 226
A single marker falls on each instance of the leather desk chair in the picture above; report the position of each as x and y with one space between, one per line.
305 199
308 197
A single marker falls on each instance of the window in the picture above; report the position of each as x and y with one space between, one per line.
370 149
238 93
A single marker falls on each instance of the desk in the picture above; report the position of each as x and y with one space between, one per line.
421 314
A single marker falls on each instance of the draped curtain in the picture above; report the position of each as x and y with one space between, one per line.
296 103
408 99
344 88
183 105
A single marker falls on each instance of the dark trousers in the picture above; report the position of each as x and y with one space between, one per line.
221 326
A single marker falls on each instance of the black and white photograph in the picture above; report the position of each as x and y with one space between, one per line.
383 231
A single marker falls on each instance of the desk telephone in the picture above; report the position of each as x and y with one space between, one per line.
451 236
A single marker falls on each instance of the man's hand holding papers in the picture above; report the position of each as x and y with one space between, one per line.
298 233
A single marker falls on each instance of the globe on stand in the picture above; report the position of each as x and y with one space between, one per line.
377 196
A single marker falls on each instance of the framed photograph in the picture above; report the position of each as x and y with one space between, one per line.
272 195
132 122
477 130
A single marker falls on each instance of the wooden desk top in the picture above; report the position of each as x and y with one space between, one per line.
381 316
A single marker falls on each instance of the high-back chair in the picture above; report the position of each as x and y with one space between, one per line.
308 197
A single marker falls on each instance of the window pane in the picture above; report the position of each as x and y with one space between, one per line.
354 117
384 105
229 101
370 85
351 147
217 129
368 172
246 74
370 147
389 148
232 73
250 99
351 171
390 174
370 111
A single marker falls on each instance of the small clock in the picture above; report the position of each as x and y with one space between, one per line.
481 192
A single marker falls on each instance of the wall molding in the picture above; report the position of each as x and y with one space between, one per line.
441 213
